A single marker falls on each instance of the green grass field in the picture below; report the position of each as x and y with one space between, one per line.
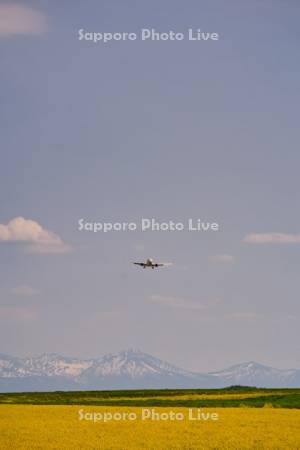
230 397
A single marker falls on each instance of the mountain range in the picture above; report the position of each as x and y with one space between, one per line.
129 369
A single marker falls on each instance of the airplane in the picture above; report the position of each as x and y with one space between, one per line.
149 263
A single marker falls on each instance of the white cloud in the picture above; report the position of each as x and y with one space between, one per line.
272 238
24 291
19 19
222 259
175 302
31 233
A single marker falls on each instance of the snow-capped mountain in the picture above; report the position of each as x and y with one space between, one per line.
130 369
44 365
254 374
134 369
134 364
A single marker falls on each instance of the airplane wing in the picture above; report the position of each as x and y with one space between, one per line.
139 264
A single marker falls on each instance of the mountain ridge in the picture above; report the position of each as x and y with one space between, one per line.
129 369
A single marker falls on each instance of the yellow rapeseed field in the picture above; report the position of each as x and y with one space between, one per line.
32 427
193 396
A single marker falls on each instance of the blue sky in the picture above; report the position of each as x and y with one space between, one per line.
171 130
